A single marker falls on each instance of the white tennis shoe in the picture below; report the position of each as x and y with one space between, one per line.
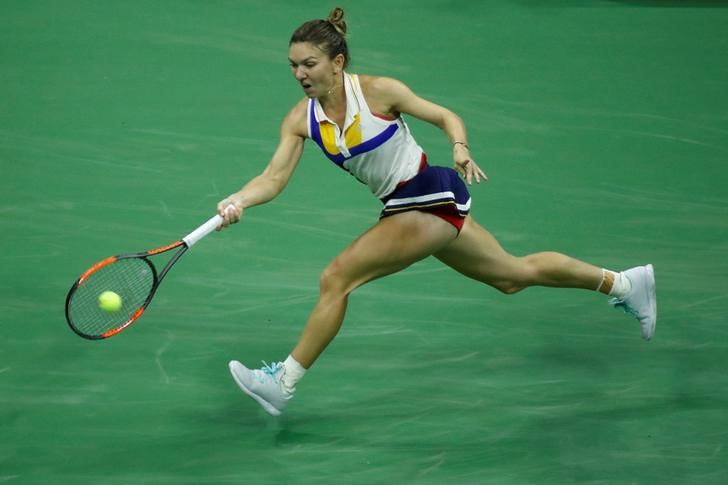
640 300
264 385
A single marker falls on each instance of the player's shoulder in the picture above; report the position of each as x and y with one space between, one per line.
300 109
296 120
380 84
383 90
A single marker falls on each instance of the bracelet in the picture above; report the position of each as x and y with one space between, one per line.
461 143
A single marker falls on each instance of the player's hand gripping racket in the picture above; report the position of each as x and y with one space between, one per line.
133 277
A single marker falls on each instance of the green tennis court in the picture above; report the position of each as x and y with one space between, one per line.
603 126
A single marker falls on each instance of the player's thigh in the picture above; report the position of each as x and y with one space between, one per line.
391 245
478 255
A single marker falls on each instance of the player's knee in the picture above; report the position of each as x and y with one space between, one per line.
333 280
522 276
507 287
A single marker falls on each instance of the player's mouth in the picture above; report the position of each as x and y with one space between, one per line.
307 87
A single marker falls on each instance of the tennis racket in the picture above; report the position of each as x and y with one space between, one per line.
133 277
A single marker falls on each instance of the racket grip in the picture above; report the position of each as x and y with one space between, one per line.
204 229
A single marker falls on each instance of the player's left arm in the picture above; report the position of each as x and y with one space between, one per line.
395 97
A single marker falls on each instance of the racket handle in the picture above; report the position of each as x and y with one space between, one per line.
204 229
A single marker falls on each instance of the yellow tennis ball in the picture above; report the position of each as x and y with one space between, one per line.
109 301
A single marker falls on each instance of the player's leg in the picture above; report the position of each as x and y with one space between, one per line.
477 254
391 245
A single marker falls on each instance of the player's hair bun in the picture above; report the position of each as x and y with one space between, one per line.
336 18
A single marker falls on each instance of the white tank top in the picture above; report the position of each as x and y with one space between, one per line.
378 151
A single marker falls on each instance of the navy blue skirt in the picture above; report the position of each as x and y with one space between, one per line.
434 189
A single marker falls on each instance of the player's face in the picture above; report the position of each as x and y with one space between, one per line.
312 68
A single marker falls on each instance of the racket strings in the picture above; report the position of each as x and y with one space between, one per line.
131 278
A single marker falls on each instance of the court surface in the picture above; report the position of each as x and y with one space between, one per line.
603 126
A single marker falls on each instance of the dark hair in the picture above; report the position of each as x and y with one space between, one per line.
329 34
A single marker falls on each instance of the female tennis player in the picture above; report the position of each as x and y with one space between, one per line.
357 121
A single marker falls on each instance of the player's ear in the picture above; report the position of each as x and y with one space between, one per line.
339 60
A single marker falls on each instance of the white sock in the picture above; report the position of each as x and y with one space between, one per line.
614 284
621 285
294 372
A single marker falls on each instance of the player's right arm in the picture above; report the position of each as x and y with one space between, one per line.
271 182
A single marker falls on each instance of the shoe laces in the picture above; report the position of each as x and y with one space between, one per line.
271 370
619 303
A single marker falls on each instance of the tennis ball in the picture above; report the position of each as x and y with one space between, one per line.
109 301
